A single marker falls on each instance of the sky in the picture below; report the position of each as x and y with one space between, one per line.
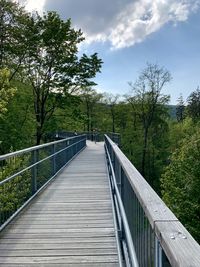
127 34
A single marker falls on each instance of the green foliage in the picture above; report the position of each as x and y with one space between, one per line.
17 125
53 67
179 131
42 51
69 116
193 107
13 50
181 183
111 101
6 90
15 192
157 143
180 109
149 113
89 98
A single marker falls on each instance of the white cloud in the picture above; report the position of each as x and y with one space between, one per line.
140 19
35 5
123 24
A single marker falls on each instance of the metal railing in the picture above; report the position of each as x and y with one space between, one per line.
92 136
99 137
24 173
115 137
159 239
122 223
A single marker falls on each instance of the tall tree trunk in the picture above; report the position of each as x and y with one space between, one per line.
38 135
88 117
91 123
88 123
37 109
1 39
113 124
144 151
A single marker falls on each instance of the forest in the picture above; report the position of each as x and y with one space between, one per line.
46 87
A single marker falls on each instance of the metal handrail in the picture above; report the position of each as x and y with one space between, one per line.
32 148
129 241
38 162
90 135
166 240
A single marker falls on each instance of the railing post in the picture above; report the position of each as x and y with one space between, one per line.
54 159
76 147
122 185
113 160
158 253
66 151
121 191
34 173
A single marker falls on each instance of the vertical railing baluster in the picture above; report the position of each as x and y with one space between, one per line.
34 173
54 159
119 184
66 151
158 253
122 198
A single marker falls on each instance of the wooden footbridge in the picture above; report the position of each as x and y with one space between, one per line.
72 203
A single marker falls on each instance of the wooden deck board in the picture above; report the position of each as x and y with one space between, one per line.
61 259
99 264
68 224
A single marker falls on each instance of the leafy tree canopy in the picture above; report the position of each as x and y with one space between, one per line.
194 105
181 184
6 90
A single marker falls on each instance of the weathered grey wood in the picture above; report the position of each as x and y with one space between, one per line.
108 264
61 259
180 247
58 240
73 225
71 245
24 223
57 252
66 216
99 264
86 214
60 235
66 231
68 224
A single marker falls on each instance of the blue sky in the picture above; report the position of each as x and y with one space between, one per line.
129 33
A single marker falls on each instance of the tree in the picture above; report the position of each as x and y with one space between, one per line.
52 65
13 50
194 105
17 124
68 116
111 102
6 90
180 109
147 100
90 98
122 115
181 184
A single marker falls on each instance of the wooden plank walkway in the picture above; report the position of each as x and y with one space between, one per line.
70 223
